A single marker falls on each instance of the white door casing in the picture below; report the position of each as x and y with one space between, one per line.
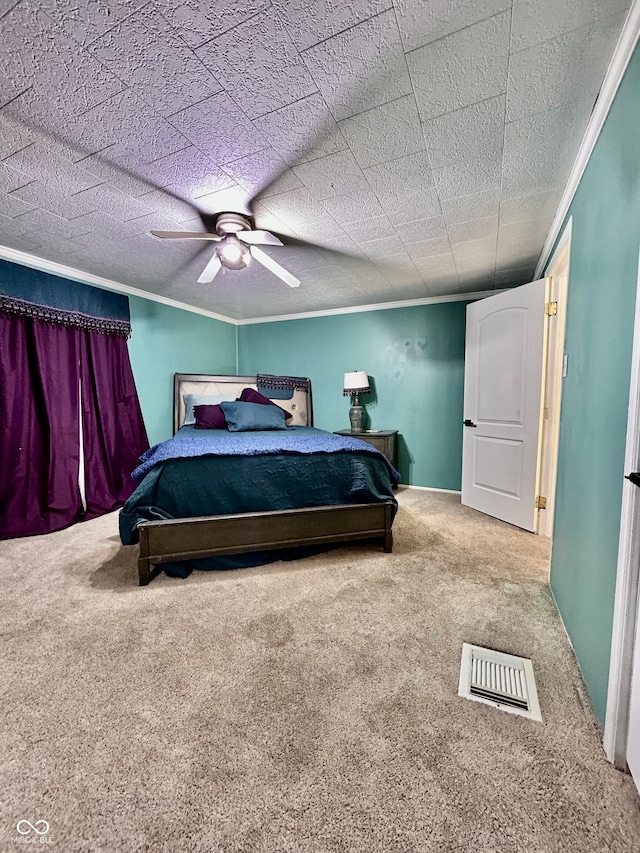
557 286
503 404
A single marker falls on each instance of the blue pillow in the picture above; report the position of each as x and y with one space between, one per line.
245 417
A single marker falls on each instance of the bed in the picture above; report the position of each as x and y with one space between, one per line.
208 494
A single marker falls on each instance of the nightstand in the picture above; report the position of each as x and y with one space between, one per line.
382 439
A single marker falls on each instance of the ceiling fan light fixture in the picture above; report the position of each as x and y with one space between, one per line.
233 255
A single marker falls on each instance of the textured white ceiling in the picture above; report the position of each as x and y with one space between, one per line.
423 147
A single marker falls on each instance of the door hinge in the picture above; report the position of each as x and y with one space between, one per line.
551 309
541 502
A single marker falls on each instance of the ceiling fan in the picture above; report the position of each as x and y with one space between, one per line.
236 247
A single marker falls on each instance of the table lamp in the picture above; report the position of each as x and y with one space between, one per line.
356 383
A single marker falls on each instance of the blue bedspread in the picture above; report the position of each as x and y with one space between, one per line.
190 442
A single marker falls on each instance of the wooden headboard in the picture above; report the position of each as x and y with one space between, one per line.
300 404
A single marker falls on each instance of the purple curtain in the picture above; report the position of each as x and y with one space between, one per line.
39 433
41 366
113 430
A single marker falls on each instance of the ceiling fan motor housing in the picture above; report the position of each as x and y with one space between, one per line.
231 223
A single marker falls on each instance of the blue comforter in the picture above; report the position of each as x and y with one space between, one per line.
190 442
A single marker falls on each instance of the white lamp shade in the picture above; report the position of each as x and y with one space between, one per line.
356 381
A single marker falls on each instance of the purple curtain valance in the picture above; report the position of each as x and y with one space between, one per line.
63 317
58 301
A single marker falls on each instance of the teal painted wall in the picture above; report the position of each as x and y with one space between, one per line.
168 340
599 335
416 359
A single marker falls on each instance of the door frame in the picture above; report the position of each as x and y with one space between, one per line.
626 612
560 264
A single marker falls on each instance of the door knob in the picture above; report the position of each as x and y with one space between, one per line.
634 478
468 422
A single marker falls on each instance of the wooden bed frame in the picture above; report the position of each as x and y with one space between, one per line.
179 539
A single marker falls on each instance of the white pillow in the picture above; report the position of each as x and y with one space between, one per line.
191 400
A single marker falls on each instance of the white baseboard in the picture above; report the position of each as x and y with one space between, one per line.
429 489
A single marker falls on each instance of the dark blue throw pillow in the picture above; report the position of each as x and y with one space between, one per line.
245 417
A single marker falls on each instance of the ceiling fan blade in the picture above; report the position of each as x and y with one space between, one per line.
264 259
264 238
211 270
185 235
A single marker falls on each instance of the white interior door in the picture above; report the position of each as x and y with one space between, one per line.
503 402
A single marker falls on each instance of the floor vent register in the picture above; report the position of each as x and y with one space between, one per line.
503 681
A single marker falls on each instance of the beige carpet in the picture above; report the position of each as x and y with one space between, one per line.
307 706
